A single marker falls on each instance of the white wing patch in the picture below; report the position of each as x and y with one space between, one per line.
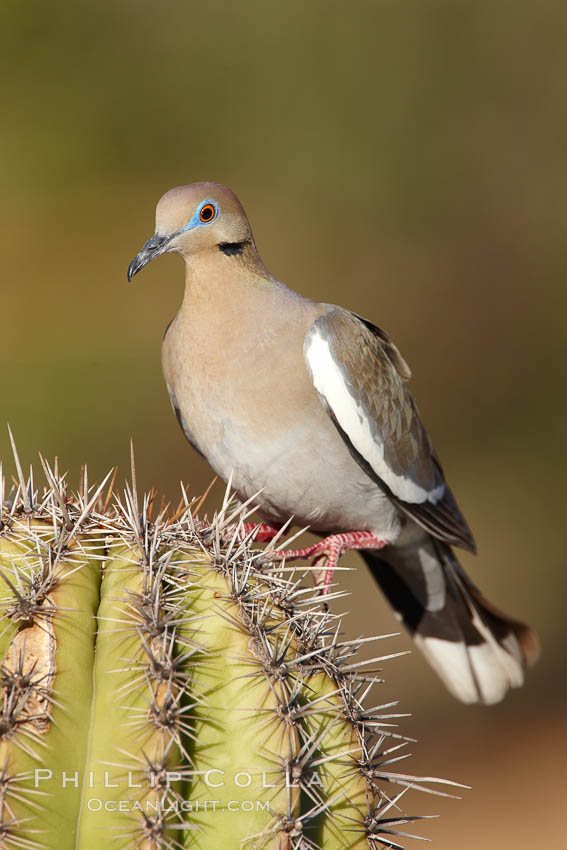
329 382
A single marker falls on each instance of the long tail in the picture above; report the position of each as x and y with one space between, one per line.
478 651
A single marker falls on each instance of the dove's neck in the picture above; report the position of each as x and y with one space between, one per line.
228 295
231 278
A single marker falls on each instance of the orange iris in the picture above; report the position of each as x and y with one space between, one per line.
207 212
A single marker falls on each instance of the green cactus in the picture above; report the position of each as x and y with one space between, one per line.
164 686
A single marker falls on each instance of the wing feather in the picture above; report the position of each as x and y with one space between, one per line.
360 377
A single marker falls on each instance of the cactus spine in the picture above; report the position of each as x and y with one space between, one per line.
163 688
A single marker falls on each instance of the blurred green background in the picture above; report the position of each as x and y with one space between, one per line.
407 160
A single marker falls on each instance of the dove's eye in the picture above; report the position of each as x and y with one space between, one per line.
207 213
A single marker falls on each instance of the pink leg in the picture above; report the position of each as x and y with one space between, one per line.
331 548
264 533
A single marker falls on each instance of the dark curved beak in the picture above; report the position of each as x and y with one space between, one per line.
153 248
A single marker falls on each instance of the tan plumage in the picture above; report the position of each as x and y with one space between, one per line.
307 403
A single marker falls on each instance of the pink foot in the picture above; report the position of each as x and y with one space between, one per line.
331 548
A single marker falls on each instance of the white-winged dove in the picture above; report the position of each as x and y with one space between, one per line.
307 404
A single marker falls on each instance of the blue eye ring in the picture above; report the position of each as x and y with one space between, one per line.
207 213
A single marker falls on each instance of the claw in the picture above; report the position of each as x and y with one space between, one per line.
331 548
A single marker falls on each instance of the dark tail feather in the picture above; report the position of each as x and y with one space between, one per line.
478 651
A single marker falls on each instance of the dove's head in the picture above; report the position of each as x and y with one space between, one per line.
196 218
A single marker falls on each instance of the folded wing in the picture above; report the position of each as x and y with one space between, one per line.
360 377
